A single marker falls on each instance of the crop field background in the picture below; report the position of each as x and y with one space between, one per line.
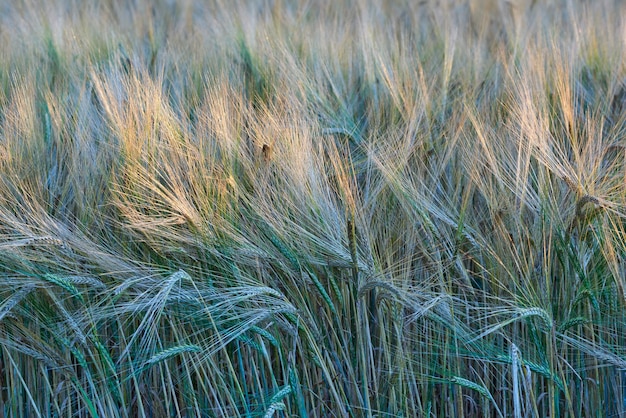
322 208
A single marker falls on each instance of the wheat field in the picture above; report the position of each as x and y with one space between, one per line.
284 208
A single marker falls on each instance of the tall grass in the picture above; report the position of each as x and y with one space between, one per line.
312 209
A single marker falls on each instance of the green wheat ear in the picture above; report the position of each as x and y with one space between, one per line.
63 283
276 403
323 292
171 352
